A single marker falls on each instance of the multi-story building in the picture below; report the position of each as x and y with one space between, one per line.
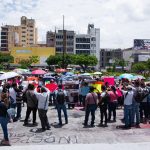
50 39
71 43
63 40
28 32
23 35
107 56
82 44
88 43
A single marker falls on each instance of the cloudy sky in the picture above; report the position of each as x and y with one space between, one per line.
120 21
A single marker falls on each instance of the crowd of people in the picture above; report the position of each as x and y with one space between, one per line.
133 96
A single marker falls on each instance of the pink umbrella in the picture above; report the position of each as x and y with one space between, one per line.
38 72
60 70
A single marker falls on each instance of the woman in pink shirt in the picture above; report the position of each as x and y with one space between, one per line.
112 104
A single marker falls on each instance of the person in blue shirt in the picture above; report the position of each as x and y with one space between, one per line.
84 91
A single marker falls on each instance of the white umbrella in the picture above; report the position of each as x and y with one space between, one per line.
97 73
8 75
21 71
85 74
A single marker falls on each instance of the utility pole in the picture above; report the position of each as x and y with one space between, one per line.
63 62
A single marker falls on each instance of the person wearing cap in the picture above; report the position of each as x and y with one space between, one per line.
128 100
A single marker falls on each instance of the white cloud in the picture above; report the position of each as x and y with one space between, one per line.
120 21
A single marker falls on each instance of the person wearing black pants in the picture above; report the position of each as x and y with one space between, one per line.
43 101
112 105
90 106
32 103
103 102
28 112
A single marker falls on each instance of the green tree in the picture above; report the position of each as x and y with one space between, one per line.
25 63
5 60
139 67
148 64
84 61
58 60
34 59
120 62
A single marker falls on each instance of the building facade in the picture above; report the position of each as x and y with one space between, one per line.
63 40
88 43
71 43
20 53
108 56
82 44
23 35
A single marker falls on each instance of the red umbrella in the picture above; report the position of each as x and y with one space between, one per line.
60 70
38 72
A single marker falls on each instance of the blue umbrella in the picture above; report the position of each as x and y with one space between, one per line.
138 77
69 74
126 76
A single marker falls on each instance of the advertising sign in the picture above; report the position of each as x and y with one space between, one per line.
142 44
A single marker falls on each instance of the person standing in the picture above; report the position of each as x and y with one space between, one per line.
43 100
112 103
103 104
12 95
136 104
90 106
61 97
4 103
144 104
84 91
128 101
52 88
32 104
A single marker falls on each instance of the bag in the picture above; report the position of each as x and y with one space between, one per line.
60 97
139 95
105 100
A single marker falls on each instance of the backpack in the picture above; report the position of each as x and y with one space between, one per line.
105 100
60 97
139 95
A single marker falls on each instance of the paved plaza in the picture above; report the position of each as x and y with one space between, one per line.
74 132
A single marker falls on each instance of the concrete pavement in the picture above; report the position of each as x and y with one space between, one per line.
74 133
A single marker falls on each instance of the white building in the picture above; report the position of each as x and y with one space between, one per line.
88 43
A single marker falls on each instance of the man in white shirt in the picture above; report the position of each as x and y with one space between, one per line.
43 100
128 100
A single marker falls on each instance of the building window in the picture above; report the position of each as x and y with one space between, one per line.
93 39
82 46
83 52
82 40
108 53
69 49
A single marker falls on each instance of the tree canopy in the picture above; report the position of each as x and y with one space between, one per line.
139 67
25 63
6 58
82 60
